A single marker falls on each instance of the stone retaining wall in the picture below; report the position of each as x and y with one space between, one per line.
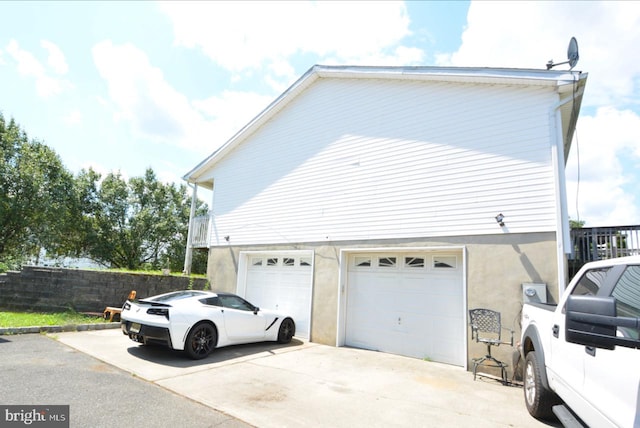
56 289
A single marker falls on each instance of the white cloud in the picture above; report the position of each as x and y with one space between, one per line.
596 185
29 65
232 110
529 34
73 118
141 96
265 35
56 59
140 93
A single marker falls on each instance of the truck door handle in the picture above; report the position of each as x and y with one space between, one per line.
556 330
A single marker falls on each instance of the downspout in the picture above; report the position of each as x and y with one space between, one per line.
563 235
188 254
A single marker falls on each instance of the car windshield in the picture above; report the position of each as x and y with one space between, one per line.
175 296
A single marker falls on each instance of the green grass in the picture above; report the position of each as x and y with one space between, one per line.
37 319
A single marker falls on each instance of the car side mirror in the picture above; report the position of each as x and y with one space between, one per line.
256 310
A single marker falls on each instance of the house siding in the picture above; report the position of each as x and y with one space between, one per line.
443 158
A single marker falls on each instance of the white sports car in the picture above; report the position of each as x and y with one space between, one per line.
200 321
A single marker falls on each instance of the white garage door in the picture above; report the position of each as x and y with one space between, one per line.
407 304
282 282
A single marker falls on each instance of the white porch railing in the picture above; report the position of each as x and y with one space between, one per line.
200 232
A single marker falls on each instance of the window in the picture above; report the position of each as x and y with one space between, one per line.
305 261
627 294
444 262
177 295
414 262
211 301
272 262
288 261
387 262
590 282
256 261
363 261
235 302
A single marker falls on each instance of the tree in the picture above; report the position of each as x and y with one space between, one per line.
135 225
37 200
575 224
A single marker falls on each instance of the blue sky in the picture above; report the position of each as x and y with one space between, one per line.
123 86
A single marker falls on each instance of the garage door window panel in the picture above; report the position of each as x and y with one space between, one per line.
387 262
362 261
414 262
445 262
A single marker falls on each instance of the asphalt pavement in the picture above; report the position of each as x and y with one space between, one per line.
40 370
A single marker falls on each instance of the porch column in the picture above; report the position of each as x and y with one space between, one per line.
188 254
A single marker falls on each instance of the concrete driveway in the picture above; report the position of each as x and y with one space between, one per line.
307 384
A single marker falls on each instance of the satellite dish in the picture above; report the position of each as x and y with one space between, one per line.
572 55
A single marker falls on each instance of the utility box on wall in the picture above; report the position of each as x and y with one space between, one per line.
534 293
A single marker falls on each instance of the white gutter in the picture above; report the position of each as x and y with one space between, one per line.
563 235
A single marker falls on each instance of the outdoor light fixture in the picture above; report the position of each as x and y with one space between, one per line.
226 238
500 219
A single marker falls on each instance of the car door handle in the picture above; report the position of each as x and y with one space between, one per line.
556 330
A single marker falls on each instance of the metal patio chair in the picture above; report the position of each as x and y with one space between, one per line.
487 328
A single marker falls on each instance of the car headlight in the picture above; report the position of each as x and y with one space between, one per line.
159 311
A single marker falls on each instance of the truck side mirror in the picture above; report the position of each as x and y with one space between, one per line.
591 321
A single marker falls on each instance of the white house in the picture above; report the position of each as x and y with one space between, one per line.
363 200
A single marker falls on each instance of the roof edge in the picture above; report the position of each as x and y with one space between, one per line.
453 74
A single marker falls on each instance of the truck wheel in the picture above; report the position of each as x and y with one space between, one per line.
538 399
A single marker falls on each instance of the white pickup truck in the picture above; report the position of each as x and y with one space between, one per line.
582 357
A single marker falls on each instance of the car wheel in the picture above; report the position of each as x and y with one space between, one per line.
539 400
201 340
286 331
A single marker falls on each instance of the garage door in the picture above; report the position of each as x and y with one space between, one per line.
408 304
282 282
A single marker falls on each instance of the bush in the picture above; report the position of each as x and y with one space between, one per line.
9 264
